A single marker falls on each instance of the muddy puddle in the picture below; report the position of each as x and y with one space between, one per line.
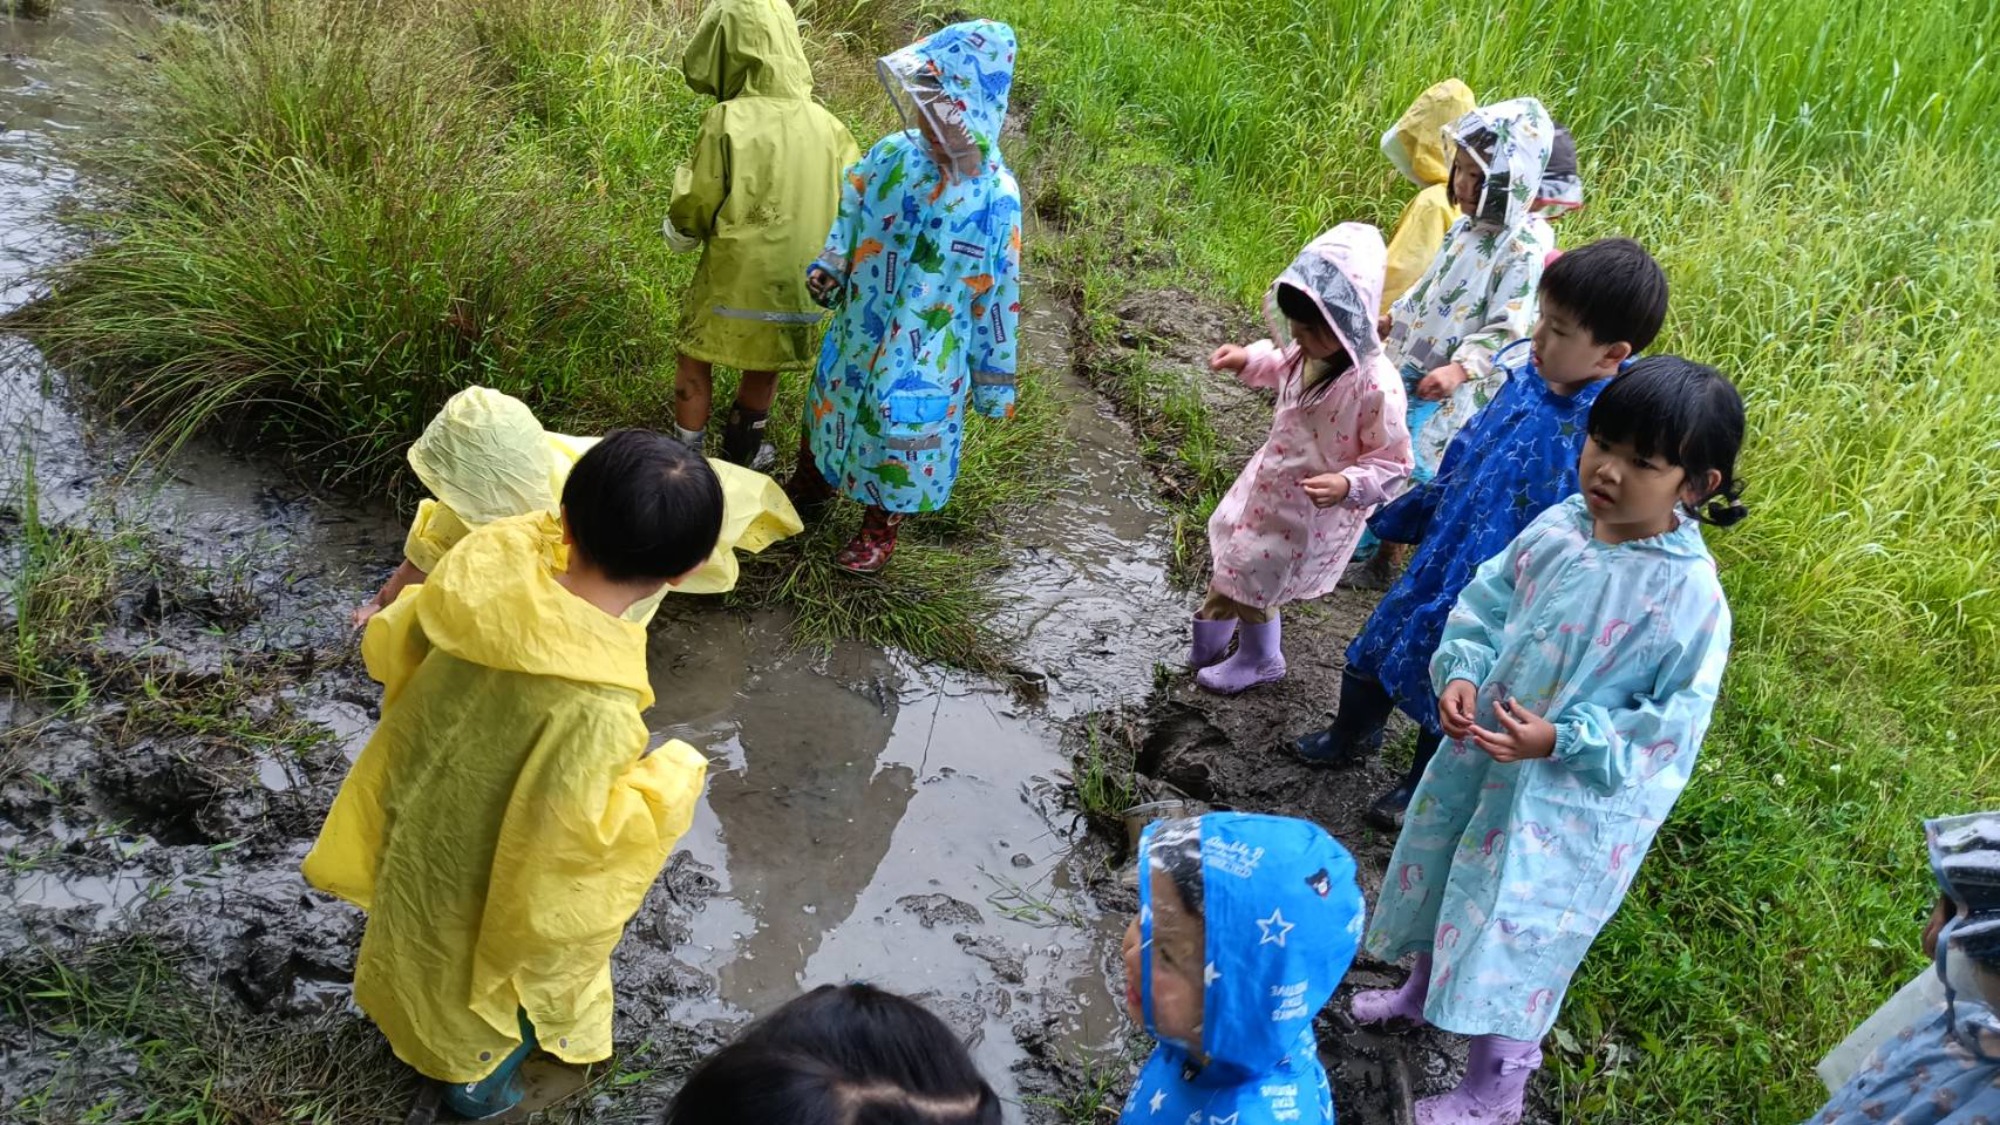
868 817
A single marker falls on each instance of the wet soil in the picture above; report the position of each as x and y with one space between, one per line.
868 817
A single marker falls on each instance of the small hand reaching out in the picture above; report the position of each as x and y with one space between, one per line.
1523 735
1230 357
367 610
1438 385
1327 489
822 285
1457 707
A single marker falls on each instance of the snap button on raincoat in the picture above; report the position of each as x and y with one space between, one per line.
1270 544
505 820
1272 906
1415 145
929 260
759 190
486 458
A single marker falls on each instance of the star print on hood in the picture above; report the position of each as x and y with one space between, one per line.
1279 916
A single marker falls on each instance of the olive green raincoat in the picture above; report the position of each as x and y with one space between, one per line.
760 191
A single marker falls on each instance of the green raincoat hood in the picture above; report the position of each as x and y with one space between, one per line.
747 48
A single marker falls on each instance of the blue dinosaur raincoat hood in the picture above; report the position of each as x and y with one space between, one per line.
1281 916
956 81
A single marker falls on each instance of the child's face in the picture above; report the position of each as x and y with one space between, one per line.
1317 341
1178 949
1466 180
1633 497
1566 356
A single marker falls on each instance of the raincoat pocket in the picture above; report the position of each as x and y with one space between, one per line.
918 410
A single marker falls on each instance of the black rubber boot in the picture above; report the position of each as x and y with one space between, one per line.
1356 732
743 438
1387 811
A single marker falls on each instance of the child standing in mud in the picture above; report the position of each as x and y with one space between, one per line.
506 819
1599 305
755 198
1246 925
1513 170
922 270
1337 448
1576 677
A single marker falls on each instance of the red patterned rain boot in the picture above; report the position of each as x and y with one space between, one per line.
868 552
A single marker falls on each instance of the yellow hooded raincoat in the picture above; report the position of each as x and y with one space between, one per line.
1415 145
485 457
505 820
760 191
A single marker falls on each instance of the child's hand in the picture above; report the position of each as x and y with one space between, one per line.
822 285
1385 325
367 610
1327 489
1457 707
1230 357
1438 385
1522 735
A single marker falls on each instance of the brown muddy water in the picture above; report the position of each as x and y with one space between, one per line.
868 817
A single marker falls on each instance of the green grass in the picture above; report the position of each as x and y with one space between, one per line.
1811 177
329 217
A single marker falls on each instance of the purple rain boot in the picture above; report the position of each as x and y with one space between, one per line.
1384 1005
1496 1077
1258 660
1211 642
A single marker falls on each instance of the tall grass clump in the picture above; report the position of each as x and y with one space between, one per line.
1810 176
324 218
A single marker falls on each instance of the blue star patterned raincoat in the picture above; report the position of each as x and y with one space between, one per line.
928 257
1517 457
1506 872
1278 914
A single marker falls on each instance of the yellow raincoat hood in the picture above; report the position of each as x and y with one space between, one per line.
505 820
1415 143
747 48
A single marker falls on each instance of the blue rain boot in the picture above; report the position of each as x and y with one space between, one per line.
499 1091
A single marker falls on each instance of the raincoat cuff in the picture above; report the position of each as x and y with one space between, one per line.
1567 735
676 241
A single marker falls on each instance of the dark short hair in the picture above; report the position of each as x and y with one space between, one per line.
1298 306
1613 288
840 1055
1686 412
643 506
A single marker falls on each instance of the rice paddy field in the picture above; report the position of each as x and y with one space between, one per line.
1810 177
340 212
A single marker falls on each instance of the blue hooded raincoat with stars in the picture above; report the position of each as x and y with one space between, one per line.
1511 463
927 248
1279 916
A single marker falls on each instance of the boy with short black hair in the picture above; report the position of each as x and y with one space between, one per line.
506 819
1600 305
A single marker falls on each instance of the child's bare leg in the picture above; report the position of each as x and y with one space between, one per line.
694 394
743 436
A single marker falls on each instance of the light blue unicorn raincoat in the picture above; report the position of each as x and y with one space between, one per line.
1278 915
1506 872
928 255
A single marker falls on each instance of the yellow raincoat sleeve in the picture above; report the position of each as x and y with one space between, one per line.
1419 236
755 514
342 861
702 183
435 530
586 834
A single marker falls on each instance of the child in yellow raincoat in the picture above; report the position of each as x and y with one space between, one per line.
1415 145
485 458
756 197
506 819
